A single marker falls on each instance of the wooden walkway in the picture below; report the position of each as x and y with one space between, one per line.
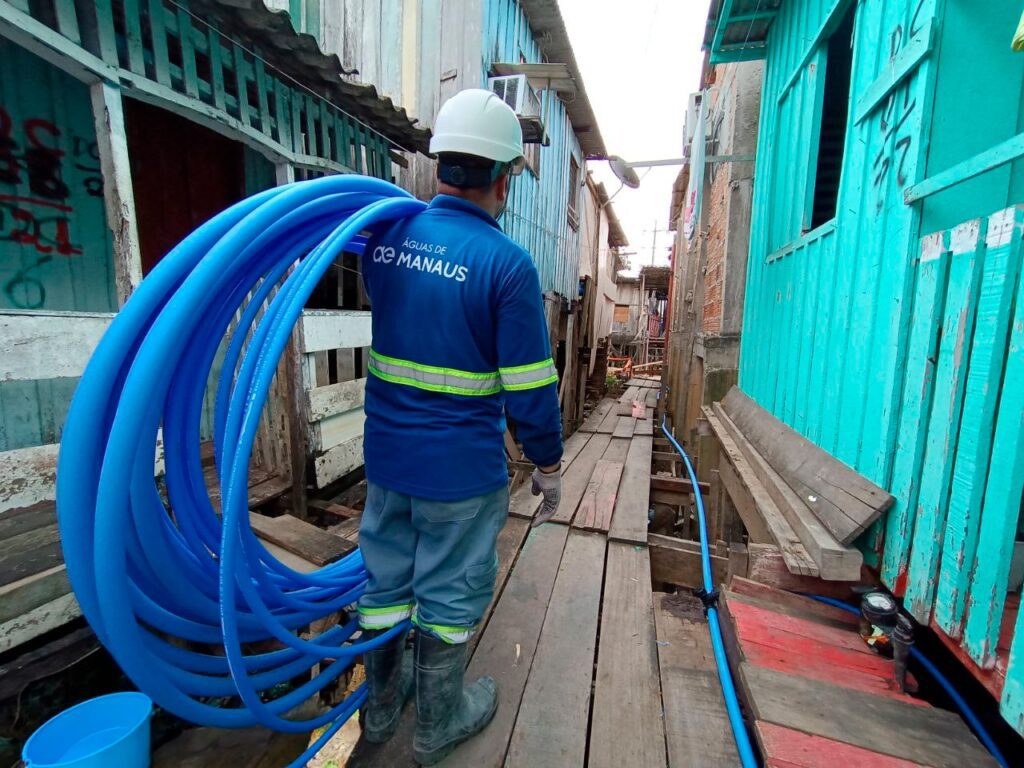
593 668
818 696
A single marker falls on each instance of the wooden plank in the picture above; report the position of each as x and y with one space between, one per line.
338 461
49 659
999 522
17 521
510 541
300 538
760 514
595 510
629 395
766 564
576 478
981 395
29 593
338 510
786 748
38 621
593 421
523 503
835 561
697 728
967 246
507 648
645 426
624 427
29 553
608 424
932 736
158 37
652 398
335 329
629 519
922 352
335 430
563 665
677 484
844 501
676 561
322 402
627 726
617 450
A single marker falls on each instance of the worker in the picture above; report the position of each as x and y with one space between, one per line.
459 340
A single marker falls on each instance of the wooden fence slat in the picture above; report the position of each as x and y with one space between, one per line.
67 21
158 41
241 83
105 32
133 36
967 246
335 329
188 54
261 96
984 376
999 519
922 351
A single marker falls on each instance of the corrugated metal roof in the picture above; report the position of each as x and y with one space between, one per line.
300 57
655 277
548 29
746 28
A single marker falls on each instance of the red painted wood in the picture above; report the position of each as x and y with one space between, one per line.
827 666
806 605
786 748
755 616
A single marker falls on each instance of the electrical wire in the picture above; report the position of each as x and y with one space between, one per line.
189 602
739 728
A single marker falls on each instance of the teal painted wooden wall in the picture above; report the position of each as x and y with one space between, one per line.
55 248
537 214
894 349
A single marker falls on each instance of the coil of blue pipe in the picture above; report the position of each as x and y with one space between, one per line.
179 596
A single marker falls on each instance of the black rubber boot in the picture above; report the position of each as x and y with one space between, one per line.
447 713
389 674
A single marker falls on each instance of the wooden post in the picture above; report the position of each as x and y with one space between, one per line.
295 398
112 143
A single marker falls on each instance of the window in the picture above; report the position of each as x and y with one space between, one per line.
574 190
834 108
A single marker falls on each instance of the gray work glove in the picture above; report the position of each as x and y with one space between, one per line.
550 486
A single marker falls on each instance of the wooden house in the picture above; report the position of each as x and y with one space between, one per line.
123 125
884 314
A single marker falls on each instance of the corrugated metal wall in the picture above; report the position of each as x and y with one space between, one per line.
537 215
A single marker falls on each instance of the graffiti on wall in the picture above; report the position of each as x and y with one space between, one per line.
35 214
895 135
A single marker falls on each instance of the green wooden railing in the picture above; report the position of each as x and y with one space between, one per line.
159 51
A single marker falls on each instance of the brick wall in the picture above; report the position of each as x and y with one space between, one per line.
717 211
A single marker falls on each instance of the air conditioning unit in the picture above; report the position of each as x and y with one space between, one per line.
516 91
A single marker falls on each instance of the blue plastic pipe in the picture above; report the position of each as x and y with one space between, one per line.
179 594
732 704
961 704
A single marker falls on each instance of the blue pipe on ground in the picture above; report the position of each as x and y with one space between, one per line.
961 704
180 598
732 705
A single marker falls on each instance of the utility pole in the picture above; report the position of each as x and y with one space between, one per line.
654 242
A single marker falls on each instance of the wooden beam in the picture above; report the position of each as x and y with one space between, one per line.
1001 154
676 485
898 69
676 561
765 564
300 538
118 196
835 561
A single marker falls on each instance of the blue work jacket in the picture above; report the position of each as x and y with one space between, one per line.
459 339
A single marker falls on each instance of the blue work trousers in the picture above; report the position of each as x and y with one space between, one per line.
434 561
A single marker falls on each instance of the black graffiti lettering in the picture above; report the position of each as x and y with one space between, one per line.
25 291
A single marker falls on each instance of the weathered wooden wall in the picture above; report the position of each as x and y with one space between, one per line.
841 336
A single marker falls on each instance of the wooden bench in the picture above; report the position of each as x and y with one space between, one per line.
789 492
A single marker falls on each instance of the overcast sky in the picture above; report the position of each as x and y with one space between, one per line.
640 60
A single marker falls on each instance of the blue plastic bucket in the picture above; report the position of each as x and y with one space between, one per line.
104 732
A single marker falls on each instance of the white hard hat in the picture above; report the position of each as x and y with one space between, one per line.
477 122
